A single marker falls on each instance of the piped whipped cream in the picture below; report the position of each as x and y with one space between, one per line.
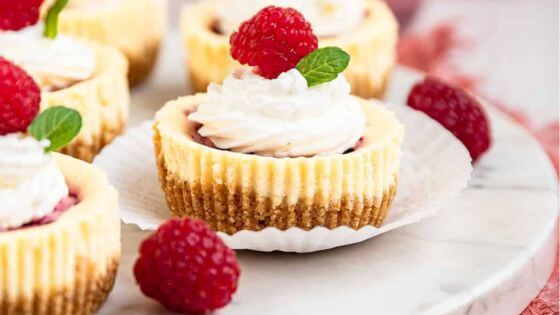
31 184
53 63
327 17
282 117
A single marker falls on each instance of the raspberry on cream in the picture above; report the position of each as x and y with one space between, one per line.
31 184
268 50
282 117
328 17
53 63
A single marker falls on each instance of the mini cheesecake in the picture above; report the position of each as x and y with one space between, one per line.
237 191
372 46
67 266
136 27
102 100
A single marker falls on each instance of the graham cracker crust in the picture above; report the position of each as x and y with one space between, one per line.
232 209
85 296
141 65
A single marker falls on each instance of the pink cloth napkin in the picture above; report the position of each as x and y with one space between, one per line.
430 53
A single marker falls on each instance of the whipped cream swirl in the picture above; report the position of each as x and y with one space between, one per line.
31 184
53 63
281 117
327 17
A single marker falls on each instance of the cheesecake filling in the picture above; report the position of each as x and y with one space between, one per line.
91 4
327 17
53 63
282 117
31 184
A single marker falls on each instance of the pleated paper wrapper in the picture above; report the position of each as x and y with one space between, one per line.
435 167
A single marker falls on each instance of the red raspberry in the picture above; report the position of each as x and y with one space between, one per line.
456 110
187 267
17 14
19 98
274 40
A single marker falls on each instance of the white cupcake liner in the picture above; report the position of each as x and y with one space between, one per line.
435 168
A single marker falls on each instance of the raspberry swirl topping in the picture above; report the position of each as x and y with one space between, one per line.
31 184
282 117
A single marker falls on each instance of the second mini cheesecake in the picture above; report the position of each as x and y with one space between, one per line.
86 76
69 265
103 100
60 241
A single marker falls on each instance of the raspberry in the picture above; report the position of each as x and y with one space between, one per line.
187 267
456 110
17 14
274 41
19 98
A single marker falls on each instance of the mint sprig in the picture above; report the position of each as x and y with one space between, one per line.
323 65
57 124
51 21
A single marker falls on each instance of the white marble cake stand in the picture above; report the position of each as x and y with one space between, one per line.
489 252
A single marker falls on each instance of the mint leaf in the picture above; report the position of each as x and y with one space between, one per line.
58 124
51 22
323 65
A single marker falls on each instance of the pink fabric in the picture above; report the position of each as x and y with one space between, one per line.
430 53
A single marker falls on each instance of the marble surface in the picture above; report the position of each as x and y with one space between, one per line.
488 252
